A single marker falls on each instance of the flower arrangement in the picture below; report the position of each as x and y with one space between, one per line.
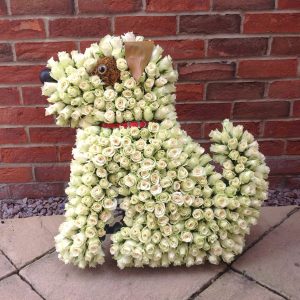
178 209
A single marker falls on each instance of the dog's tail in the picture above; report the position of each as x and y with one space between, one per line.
244 174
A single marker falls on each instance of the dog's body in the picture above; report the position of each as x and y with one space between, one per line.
178 209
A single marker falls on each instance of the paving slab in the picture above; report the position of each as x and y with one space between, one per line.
14 288
232 285
6 267
275 260
22 240
108 282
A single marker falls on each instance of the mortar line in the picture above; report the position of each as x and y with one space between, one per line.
29 283
259 283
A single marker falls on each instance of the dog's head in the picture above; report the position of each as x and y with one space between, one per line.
118 79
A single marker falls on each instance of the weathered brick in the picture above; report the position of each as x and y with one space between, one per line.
282 129
289 45
41 50
36 190
261 110
109 6
3 8
177 5
292 182
281 166
5 52
189 92
183 49
210 24
277 182
288 4
237 47
296 109
206 71
285 89
33 95
17 174
193 130
203 111
243 4
235 90
51 135
9 96
267 68
271 148
272 23
52 173
28 154
19 74
24 116
21 29
79 27
41 7
65 153
12 136
147 26
293 147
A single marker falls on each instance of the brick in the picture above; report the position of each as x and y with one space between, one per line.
289 45
33 95
65 153
206 71
5 52
284 166
41 50
210 24
36 190
272 23
86 44
285 89
203 111
12 136
33 7
18 174
235 90
189 92
24 116
79 27
22 29
52 173
28 154
19 74
145 25
183 49
271 148
176 5
239 47
252 127
276 182
288 4
243 4
261 110
296 109
9 96
52 135
193 130
3 8
108 6
282 129
267 68
293 147
292 183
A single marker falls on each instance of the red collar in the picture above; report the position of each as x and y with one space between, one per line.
139 124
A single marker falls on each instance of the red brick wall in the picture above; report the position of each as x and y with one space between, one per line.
236 59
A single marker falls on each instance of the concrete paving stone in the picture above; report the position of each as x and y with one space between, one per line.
22 240
232 285
275 260
5 266
108 282
14 288
270 216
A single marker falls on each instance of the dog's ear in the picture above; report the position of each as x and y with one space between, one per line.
138 55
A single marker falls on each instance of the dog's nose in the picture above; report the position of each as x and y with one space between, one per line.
45 76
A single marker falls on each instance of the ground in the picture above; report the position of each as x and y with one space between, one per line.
269 268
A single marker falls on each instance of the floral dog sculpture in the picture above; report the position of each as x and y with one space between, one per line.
132 154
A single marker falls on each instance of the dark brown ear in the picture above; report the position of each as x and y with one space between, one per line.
138 55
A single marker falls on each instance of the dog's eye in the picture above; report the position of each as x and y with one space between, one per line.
102 69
